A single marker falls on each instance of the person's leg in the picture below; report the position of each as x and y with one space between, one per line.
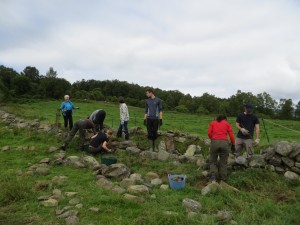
94 150
71 122
155 128
71 135
224 153
65 121
119 133
249 147
238 147
125 127
100 117
81 136
213 158
149 129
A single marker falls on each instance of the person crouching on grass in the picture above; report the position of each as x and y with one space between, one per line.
99 142
218 131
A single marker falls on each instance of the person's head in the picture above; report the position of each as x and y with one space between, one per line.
149 92
248 108
67 97
108 132
121 99
221 117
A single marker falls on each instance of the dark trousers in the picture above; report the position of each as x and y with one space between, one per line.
219 148
97 150
123 128
68 119
152 127
78 126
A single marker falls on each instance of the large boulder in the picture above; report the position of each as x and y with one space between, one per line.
291 175
191 205
296 149
287 161
257 161
90 161
275 160
283 148
119 171
163 155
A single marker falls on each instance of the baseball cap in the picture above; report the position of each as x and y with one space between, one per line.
249 107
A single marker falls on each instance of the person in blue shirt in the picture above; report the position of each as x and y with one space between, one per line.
66 110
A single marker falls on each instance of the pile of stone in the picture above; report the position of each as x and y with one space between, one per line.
283 157
13 121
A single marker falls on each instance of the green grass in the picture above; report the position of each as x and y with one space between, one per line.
275 130
264 197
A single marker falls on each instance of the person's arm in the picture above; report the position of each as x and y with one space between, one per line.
160 109
231 135
257 130
62 106
105 147
209 131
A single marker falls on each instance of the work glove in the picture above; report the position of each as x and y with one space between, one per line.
77 108
160 122
122 122
244 131
145 122
232 149
256 142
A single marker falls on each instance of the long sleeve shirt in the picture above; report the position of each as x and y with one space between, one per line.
124 114
220 131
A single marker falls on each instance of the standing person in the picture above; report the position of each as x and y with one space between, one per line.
218 132
67 112
98 118
124 118
153 115
81 126
246 122
99 142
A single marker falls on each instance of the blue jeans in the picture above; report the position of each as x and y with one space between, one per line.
123 128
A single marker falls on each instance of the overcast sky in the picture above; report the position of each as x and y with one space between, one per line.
193 46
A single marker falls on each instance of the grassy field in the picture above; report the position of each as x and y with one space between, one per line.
265 198
275 130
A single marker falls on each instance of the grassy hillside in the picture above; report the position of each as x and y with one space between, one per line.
264 198
195 124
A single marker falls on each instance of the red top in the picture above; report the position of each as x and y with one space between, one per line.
220 130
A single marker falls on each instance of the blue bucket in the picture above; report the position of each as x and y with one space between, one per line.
177 181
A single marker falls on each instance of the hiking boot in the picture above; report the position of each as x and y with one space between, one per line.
63 147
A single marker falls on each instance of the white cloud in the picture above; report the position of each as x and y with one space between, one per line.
192 46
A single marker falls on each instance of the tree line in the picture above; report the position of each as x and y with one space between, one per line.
31 84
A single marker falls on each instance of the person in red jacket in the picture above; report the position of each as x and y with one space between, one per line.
218 132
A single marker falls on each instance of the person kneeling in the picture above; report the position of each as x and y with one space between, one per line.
99 142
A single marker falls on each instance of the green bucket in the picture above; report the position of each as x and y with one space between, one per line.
108 160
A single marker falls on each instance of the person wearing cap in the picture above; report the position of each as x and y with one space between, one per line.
67 112
98 118
218 132
246 122
124 118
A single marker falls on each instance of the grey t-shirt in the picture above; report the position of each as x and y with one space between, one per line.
153 107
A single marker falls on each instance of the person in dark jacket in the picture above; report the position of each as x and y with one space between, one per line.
67 112
98 118
99 142
80 126
218 132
